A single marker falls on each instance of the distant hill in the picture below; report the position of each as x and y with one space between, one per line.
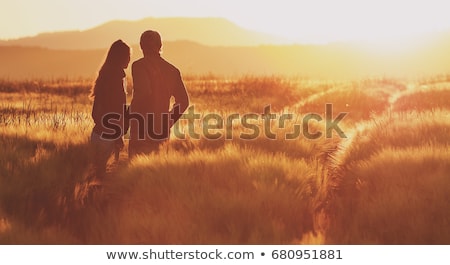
327 61
207 31
217 46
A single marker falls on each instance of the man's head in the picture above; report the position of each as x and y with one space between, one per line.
151 42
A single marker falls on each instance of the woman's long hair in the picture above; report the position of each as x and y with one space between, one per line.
115 58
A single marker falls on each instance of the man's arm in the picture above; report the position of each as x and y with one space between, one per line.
181 100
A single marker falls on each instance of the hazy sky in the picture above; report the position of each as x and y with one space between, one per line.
301 20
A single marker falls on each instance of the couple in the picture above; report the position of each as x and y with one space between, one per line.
155 82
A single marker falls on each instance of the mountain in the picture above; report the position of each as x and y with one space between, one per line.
207 31
217 46
333 61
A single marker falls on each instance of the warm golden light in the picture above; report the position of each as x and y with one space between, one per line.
296 21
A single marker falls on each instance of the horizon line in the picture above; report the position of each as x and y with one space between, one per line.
284 40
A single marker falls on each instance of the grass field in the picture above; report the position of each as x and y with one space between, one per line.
386 182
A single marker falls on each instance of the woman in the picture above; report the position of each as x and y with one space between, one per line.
108 108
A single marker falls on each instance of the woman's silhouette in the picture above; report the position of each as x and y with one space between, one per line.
109 98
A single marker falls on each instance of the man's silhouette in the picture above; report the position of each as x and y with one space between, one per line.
155 82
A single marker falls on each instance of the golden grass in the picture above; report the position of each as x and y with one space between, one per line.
206 197
400 196
386 183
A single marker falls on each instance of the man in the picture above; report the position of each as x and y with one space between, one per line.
155 81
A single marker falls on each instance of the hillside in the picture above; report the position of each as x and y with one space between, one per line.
217 46
328 61
207 31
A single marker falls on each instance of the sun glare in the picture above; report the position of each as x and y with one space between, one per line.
393 46
300 21
380 22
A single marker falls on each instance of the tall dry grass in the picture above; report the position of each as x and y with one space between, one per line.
385 183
